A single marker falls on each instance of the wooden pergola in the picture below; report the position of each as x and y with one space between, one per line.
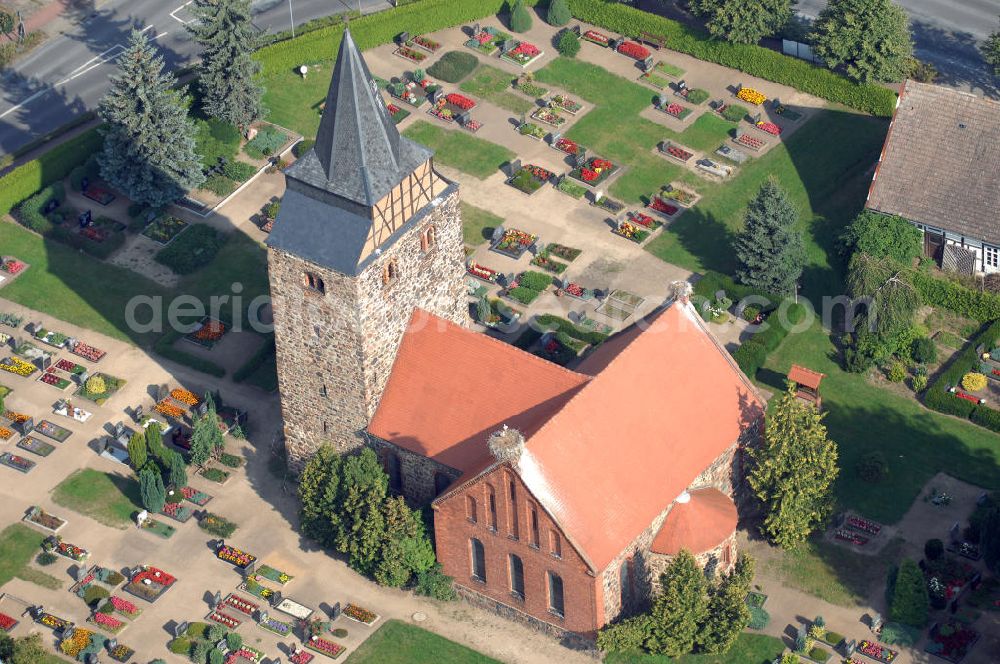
807 384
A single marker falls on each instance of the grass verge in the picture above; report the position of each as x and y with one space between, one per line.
398 643
106 498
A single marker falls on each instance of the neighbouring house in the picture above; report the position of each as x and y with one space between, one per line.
559 495
940 170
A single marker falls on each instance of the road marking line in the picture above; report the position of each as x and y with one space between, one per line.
162 34
96 57
26 101
95 65
146 29
173 13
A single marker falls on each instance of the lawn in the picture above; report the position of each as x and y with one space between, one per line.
18 545
106 498
859 414
293 101
493 85
748 649
477 224
461 151
399 643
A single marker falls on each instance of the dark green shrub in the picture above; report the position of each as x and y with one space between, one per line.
898 634
933 549
535 280
29 213
523 295
215 632
192 249
113 578
340 632
751 356
46 558
627 636
558 13
215 656
302 147
95 595
759 618
872 467
987 417
76 177
943 401
234 641
199 652
550 321
568 44
220 185
909 602
107 608
924 350
453 66
180 646
54 165
520 17
433 583
239 170
734 112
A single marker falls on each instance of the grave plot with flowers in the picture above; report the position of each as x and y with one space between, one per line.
253 586
177 511
209 332
672 108
275 626
877 651
274 575
523 54
235 557
224 619
326 647
674 151
594 171
531 130
50 337
558 348
551 257
54 377
660 74
18 367
16 462
487 40
11 266
643 220
451 105
35 446
7 623
100 387
549 117
768 127
121 652
513 242
751 96
107 622
361 614
53 431
568 146
634 50
408 92
680 195
149 583
81 643
124 607
630 231
595 37
482 272
426 43
244 653
565 104
55 544
165 229
88 352
236 603
529 179
411 54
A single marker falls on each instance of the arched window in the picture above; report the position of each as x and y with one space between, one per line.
555 544
512 525
534 525
516 576
441 482
390 273
478 560
391 465
428 238
492 497
556 604
625 581
470 509
312 282
726 555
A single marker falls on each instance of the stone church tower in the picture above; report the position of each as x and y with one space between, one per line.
367 232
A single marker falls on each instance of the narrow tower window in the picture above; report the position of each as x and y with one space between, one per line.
470 509
556 604
516 576
313 283
390 273
478 555
428 239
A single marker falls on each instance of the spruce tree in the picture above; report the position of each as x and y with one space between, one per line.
361 531
558 14
770 249
728 613
318 493
149 147
203 440
151 490
743 21
520 17
680 609
154 443
137 451
793 471
226 75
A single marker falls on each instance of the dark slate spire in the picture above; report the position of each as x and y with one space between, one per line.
359 155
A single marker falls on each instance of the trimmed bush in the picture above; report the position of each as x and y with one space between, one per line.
520 18
192 249
535 280
938 292
919 383
897 372
550 321
523 295
751 356
30 214
95 595
924 350
568 44
46 558
453 66
872 467
987 417
933 549
180 646
974 381
909 603
734 112
759 618
49 168
239 171
340 632
558 13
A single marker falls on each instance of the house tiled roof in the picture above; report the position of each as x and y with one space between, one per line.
940 165
698 525
452 387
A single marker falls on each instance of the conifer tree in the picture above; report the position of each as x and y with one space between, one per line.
137 451
318 487
154 441
151 490
149 147
770 249
728 613
361 531
743 21
680 609
794 470
558 14
520 17
406 549
178 471
990 48
910 603
226 74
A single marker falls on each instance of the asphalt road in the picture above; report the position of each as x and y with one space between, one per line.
946 33
69 73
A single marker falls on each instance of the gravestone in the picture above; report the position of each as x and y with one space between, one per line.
475 29
955 533
50 206
162 392
85 219
262 616
119 429
335 611
137 413
507 46
80 573
112 643
513 168
437 95
463 118
202 409
404 37
141 517
850 647
180 628
580 158
91 658
216 599
554 137
647 64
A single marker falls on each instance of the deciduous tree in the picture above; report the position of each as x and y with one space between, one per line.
149 147
680 609
883 325
884 236
793 471
728 614
743 21
364 489
406 550
990 49
868 39
226 75
770 249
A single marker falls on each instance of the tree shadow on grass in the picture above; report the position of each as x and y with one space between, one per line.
704 236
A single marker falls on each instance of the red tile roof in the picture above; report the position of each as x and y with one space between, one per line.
700 524
805 377
656 415
452 387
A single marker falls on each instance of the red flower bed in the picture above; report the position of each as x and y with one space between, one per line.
641 219
241 605
588 175
13 266
660 206
6 623
968 397
223 619
525 49
326 647
674 109
877 651
88 352
461 101
155 575
567 146
481 272
575 290
769 127
124 606
596 37
864 524
750 141
301 657
677 152
541 174
51 379
634 50
851 536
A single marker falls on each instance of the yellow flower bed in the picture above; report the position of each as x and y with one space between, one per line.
19 367
751 96
973 381
75 644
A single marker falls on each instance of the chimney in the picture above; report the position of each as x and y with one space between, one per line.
507 444
681 291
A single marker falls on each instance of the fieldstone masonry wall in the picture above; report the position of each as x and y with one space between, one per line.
417 472
335 349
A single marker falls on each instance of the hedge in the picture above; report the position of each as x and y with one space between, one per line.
748 58
954 296
53 166
550 321
937 396
194 248
752 354
164 347
375 30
